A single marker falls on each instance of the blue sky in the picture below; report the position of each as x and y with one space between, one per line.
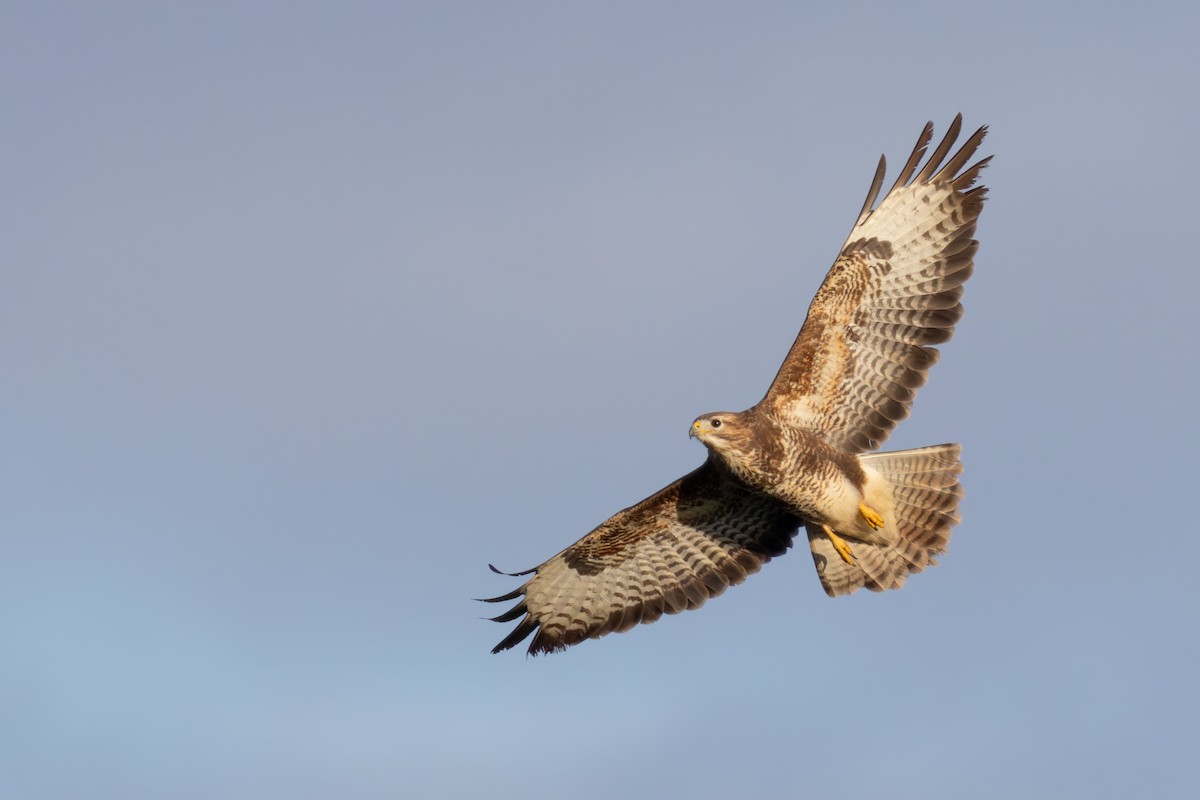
310 312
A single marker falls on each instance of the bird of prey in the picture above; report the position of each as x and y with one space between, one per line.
802 455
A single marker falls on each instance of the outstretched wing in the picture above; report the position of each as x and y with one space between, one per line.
894 290
669 553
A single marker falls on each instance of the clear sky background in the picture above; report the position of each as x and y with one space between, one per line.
309 312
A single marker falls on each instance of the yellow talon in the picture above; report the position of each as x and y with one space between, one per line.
841 545
871 516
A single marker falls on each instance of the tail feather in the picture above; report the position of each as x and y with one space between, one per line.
925 495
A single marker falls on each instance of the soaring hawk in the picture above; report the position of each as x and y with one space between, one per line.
801 456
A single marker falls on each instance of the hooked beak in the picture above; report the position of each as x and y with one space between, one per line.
694 433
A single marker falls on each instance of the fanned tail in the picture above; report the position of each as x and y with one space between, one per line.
925 494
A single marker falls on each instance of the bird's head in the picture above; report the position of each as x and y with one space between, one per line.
730 437
713 428
723 432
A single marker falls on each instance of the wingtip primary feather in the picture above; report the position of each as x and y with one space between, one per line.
517 635
968 177
493 568
914 158
513 595
873 192
964 154
943 148
511 614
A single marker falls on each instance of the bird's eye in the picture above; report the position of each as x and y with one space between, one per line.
716 423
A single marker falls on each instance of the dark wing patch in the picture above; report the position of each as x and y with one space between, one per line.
667 554
893 291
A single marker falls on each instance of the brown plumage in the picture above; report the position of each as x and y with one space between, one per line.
799 457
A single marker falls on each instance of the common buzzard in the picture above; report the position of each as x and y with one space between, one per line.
800 457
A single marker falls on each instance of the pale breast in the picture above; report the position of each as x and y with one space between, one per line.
815 479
